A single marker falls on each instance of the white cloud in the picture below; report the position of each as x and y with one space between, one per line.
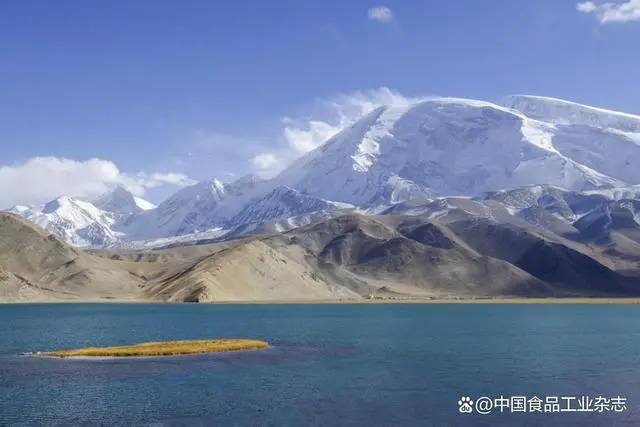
303 135
587 7
607 13
310 135
41 179
264 161
380 14
152 180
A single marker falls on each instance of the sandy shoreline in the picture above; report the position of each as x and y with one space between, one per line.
457 301
478 300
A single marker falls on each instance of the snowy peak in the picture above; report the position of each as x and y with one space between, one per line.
78 222
69 206
602 140
184 212
60 204
441 146
204 206
281 203
558 111
20 209
204 193
121 201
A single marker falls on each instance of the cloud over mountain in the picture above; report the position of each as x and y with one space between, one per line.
40 179
331 116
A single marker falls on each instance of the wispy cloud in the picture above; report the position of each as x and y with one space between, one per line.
299 136
207 153
610 12
380 14
157 179
41 179
587 7
264 161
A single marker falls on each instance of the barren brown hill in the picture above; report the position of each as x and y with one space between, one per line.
38 266
348 257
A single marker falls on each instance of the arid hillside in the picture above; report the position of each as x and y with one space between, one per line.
347 257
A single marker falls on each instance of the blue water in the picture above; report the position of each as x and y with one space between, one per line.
331 365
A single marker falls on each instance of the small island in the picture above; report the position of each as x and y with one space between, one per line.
164 348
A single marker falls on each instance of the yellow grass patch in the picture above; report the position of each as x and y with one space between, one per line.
166 348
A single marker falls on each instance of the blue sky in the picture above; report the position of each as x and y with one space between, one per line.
164 92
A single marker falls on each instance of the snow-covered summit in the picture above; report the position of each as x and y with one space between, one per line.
603 140
442 146
20 209
78 222
559 111
181 213
121 201
203 206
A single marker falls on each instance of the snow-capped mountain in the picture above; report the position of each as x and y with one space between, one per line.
184 212
78 222
280 210
603 140
529 203
561 112
590 215
84 223
282 203
448 146
539 159
121 201
200 207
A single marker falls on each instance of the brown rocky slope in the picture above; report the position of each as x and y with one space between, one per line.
348 257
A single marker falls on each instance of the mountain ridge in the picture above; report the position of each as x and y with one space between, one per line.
432 148
349 257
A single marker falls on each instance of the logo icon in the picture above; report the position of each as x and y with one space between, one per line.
465 405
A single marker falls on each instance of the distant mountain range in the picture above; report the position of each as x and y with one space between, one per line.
567 168
539 241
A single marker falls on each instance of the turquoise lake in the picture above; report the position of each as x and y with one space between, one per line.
330 365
